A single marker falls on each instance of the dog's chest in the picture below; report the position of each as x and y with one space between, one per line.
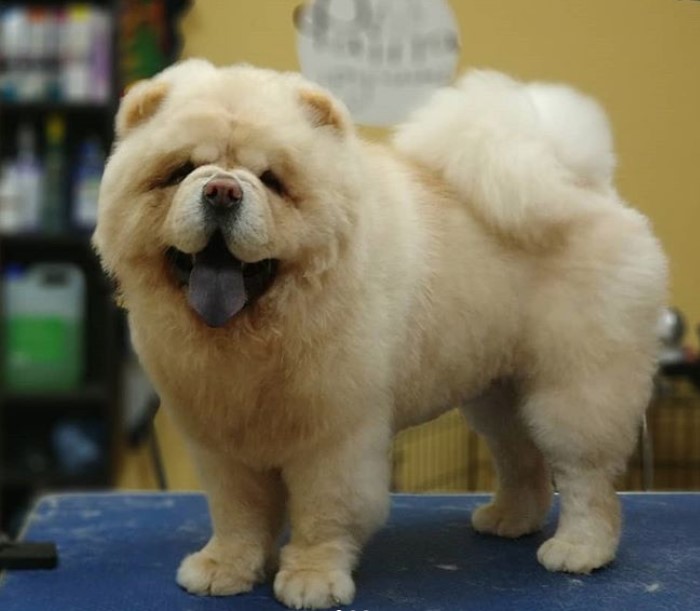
261 409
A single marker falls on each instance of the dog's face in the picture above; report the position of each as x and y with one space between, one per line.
223 179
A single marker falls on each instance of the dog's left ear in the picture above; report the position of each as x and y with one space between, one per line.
323 111
141 102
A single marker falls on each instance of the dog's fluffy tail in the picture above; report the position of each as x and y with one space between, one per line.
528 158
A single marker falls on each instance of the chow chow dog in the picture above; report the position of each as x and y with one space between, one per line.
298 295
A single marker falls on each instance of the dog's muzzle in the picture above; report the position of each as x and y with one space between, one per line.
218 285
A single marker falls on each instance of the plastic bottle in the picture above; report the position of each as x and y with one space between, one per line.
10 210
29 177
86 188
100 66
43 327
53 213
35 81
75 53
77 446
15 48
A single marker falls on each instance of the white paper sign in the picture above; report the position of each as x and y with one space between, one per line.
383 58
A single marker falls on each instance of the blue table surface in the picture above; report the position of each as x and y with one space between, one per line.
119 552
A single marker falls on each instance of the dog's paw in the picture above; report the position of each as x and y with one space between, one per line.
205 575
507 521
314 589
558 554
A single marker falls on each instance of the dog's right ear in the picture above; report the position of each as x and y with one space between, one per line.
323 111
140 103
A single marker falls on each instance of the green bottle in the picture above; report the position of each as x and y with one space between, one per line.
43 326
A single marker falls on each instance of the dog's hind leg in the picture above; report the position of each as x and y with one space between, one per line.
586 426
524 492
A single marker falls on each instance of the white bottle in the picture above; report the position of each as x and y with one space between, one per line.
75 54
29 176
87 179
10 208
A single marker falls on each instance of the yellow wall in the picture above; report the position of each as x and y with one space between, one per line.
641 58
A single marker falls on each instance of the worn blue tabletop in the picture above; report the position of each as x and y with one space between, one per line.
119 552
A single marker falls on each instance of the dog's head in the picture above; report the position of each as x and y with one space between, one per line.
222 180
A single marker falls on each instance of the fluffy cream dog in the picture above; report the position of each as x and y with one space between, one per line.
298 295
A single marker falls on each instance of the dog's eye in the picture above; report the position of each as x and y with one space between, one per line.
178 174
272 182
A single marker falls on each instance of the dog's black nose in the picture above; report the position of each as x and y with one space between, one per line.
222 193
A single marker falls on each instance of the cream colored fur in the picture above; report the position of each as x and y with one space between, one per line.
485 259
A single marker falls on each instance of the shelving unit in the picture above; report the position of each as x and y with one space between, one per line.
144 37
28 460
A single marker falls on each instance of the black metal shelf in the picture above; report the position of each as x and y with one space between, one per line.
42 3
48 480
84 400
65 247
33 415
49 107
38 238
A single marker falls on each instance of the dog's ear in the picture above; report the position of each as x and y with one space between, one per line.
139 104
323 111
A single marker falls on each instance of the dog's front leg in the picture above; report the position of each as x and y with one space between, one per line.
247 511
338 496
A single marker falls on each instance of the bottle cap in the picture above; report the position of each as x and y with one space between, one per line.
55 129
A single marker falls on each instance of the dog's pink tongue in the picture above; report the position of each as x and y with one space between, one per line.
216 291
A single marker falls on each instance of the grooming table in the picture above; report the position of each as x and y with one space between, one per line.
119 552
